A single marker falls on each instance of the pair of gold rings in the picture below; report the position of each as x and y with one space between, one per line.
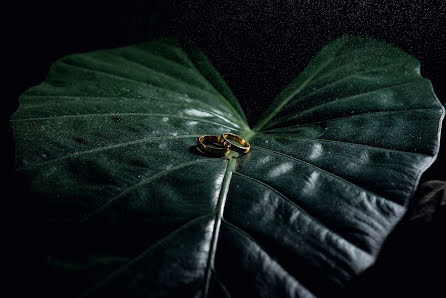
220 145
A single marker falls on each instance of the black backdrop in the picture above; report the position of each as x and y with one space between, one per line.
258 47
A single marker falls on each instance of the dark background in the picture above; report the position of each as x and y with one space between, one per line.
258 47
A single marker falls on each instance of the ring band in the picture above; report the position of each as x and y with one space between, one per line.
209 139
244 148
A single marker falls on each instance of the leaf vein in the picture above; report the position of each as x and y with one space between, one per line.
159 57
219 210
345 98
262 248
103 148
207 108
221 283
270 255
354 74
301 210
220 96
273 113
350 117
101 98
346 143
84 68
142 183
160 73
120 114
325 172
124 267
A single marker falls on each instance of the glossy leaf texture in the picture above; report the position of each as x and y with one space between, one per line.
107 147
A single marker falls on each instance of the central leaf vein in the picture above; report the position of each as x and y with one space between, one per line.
219 209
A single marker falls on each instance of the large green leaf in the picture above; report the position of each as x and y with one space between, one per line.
107 142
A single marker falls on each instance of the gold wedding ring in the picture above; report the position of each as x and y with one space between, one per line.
216 147
244 148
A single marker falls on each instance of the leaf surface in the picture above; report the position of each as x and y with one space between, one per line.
107 144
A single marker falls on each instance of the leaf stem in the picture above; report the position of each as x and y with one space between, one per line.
219 209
